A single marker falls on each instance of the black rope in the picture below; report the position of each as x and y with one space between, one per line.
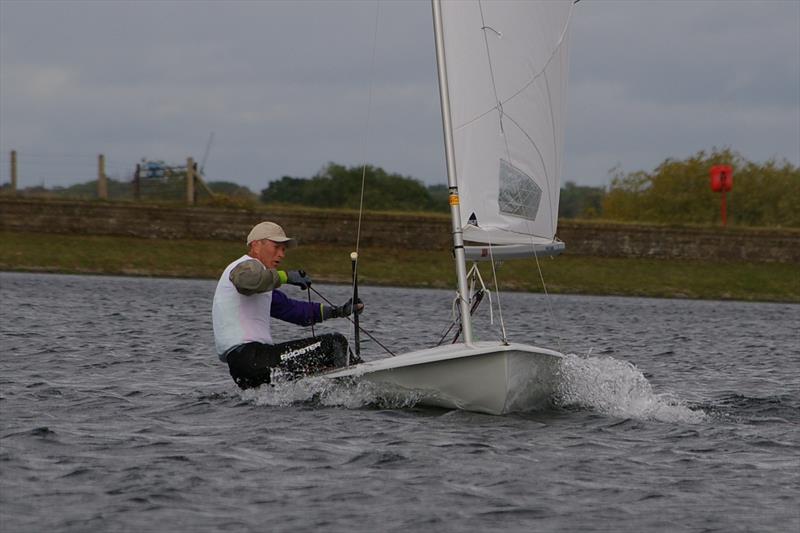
308 291
357 338
367 333
475 303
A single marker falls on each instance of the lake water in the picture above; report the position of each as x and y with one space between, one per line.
116 415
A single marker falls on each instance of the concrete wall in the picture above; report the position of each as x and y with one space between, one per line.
386 230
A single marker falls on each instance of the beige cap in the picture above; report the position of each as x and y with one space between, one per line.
271 231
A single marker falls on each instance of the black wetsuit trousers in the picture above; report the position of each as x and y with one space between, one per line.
253 364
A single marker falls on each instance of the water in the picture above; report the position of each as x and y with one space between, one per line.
674 415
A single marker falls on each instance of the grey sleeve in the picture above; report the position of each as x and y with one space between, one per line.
251 277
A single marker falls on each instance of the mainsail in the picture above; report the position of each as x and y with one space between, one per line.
507 66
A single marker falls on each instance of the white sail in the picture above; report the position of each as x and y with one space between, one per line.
507 66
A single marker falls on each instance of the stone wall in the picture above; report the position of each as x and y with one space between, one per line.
386 230
684 242
172 222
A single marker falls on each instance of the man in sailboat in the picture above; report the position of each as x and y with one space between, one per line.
246 298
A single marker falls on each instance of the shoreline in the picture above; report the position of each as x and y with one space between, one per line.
578 275
676 296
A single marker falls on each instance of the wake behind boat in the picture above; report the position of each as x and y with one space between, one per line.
502 69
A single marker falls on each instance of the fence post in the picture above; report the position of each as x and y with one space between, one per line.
136 182
190 181
102 183
13 171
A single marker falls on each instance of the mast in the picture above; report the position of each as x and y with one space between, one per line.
452 182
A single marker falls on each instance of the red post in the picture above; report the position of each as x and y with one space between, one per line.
722 182
724 209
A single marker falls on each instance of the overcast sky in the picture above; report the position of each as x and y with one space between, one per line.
284 86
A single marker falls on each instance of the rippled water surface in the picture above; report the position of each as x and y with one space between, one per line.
674 415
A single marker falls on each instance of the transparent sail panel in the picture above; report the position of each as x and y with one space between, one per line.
518 195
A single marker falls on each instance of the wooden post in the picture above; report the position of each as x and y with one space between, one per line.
199 179
102 181
196 178
190 181
13 171
136 182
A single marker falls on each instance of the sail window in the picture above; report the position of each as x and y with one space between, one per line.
519 195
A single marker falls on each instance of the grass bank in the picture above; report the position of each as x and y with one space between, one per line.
80 254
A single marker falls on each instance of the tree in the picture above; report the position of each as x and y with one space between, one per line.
339 186
229 188
765 194
580 201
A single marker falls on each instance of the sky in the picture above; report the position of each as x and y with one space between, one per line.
286 87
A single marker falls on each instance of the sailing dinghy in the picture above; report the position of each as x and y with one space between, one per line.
502 70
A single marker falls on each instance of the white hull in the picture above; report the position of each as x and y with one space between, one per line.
487 377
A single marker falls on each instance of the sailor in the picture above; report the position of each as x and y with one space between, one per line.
247 297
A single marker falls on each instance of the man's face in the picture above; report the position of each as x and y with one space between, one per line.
270 253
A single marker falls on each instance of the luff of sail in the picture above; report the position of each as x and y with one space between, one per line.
507 65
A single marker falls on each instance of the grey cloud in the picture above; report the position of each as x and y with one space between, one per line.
285 85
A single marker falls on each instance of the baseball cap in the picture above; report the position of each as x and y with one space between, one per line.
271 231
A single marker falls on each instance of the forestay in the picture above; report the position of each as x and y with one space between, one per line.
507 71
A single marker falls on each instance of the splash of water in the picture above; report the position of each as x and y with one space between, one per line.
617 388
604 384
351 394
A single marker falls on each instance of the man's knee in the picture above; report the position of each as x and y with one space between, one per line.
251 364
337 348
338 340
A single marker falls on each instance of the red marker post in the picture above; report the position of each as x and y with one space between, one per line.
722 182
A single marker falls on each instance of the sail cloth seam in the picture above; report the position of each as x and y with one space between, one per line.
541 157
555 157
547 174
484 27
536 76
499 108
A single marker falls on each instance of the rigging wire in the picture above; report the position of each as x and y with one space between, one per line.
547 300
497 289
365 140
484 27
